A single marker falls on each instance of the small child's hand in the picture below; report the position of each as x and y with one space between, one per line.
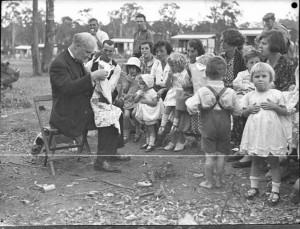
269 105
129 78
253 109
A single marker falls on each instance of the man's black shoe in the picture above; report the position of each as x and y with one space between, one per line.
239 164
106 167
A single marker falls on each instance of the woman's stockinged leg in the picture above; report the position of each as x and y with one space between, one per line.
181 137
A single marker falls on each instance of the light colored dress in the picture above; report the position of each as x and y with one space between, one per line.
180 80
266 132
146 114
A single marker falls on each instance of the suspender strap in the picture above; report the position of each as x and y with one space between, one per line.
218 96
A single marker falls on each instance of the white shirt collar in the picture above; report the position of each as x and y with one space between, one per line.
216 83
71 54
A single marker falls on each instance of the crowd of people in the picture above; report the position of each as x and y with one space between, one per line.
244 99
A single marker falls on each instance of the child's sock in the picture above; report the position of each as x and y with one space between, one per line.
254 182
275 187
151 141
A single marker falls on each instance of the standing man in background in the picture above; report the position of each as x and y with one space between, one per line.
142 34
98 34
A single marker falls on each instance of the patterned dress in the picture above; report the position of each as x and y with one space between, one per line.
284 74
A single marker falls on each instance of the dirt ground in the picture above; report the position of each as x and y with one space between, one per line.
83 196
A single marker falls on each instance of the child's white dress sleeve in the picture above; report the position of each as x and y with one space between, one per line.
192 103
238 82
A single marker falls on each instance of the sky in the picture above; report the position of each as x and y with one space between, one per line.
253 10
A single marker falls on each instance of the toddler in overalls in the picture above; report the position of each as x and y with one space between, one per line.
215 103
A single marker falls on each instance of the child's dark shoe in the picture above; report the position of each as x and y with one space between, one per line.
274 198
252 193
144 146
150 148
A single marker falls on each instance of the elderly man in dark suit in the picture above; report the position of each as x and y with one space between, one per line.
72 87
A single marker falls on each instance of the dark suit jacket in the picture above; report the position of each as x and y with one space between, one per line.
71 89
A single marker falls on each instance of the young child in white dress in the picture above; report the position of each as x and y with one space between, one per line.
178 79
148 110
265 133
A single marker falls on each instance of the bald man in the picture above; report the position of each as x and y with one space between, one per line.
72 87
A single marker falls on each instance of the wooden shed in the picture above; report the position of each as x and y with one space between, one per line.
180 41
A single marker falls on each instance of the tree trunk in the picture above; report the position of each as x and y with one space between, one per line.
49 36
13 36
36 63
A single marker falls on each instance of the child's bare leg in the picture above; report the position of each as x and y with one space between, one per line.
152 134
147 134
220 169
276 179
209 171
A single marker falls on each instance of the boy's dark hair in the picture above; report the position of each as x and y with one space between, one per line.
149 43
92 19
216 67
250 54
275 39
197 45
141 15
163 43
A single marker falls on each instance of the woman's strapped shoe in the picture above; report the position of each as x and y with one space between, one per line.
161 130
252 193
180 146
170 146
274 198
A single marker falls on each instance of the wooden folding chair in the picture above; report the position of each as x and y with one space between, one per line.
43 106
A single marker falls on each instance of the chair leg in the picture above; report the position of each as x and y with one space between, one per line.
52 167
45 160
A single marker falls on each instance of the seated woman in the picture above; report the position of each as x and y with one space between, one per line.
147 59
160 68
